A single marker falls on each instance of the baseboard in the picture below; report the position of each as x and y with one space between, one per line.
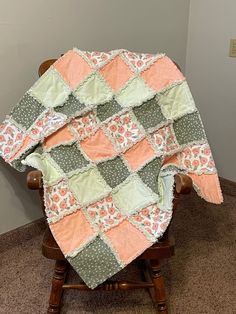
26 232
19 235
228 187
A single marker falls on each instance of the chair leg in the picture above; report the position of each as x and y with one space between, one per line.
159 286
56 289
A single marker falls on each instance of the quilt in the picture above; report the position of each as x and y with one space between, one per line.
108 131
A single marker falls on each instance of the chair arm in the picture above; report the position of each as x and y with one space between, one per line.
34 180
183 183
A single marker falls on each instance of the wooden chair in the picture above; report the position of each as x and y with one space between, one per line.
150 260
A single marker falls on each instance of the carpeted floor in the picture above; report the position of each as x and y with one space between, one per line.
201 278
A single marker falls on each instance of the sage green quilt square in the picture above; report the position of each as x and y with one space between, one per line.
149 174
27 111
68 157
189 129
88 186
132 196
149 114
95 263
71 106
113 171
108 109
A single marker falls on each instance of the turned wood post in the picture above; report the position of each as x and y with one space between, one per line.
159 286
57 287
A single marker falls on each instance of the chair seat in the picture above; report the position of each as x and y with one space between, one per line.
162 249
50 248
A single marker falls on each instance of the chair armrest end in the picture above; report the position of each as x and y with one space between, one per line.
34 180
183 183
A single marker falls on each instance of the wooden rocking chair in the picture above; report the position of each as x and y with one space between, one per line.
150 259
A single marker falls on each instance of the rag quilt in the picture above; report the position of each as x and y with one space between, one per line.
108 131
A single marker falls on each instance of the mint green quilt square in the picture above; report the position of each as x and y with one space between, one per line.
177 101
189 129
134 93
50 89
88 186
95 263
133 195
43 163
94 90
166 184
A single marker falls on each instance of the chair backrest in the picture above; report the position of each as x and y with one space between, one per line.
46 65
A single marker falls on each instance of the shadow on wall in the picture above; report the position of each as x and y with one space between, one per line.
20 195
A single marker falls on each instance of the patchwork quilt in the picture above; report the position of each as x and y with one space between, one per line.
109 130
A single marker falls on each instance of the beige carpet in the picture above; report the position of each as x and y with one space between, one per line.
201 278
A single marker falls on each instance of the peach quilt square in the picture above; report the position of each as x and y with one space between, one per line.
139 154
128 241
162 74
73 68
116 73
72 231
98 146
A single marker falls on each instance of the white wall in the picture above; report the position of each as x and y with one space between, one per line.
32 31
212 76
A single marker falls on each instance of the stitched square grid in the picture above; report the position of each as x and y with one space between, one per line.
27 111
149 114
149 174
164 140
95 263
104 213
68 157
189 128
84 126
124 131
88 186
71 106
108 109
113 171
